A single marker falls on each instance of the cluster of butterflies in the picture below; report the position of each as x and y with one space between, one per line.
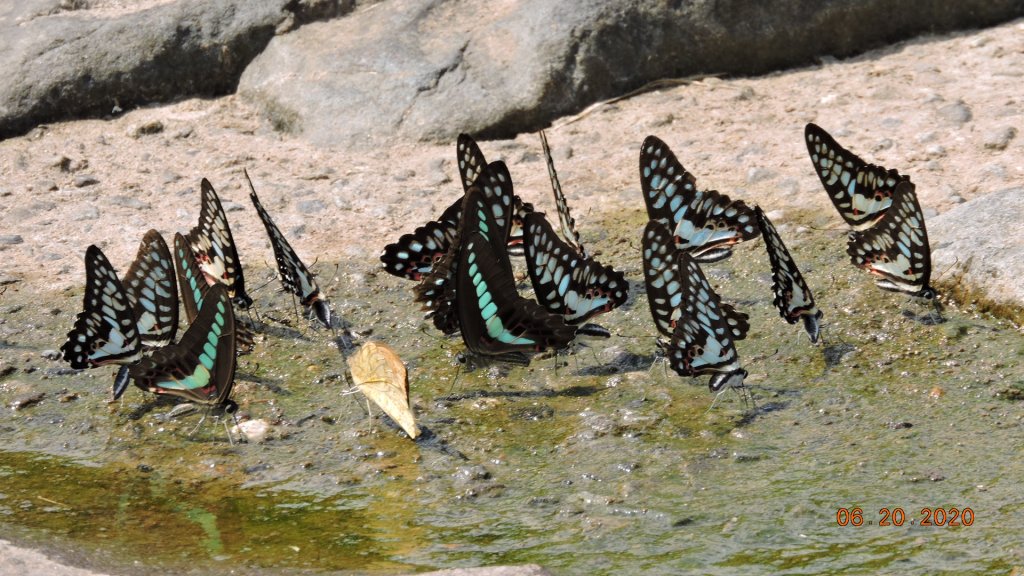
132 321
462 260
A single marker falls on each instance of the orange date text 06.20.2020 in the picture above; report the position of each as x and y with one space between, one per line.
898 517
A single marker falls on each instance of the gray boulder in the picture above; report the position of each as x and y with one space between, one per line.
61 60
428 69
983 242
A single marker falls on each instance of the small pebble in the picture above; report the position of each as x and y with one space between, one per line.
129 202
50 354
759 174
956 113
26 400
86 213
10 239
146 128
60 161
83 180
230 206
1000 139
5 280
310 206
254 431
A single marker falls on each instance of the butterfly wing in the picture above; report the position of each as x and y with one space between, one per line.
295 277
565 219
415 254
661 278
105 331
896 248
213 245
704 338
495 320
704 223
861 192
564 282
200 368
492 208
381 376
470 159
194 289
152 289
792 297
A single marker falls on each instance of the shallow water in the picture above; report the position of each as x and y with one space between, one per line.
603 464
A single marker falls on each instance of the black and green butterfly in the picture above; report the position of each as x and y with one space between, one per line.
706 224
121 318
494 319
702 329
567 223
214 247
792 296
896 248
194 289
294 275
437 289
861 192
201 367
414 255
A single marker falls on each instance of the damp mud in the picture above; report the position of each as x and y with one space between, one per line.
595 461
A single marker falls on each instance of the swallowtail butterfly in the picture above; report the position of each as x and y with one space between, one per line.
703 328
704 223
565 219
565 282
201 367
437 290
896 248
494 319
414 255
861 192
664 287
295 277
194 289
106 330
792 297
213 245
153 291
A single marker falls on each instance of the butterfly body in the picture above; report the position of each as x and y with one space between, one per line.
793 298
860 191
706 224
896 248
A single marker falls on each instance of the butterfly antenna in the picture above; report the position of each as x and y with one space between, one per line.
956 261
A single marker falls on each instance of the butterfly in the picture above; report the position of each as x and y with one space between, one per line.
414 255
437 289
381 376
152 289
295 277
494 319
792 297
106 330
213 245
201 367
703 328
706 224
861 192
565 219
896 248
194 290
566 282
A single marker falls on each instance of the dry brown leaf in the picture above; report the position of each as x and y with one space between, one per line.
380 375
